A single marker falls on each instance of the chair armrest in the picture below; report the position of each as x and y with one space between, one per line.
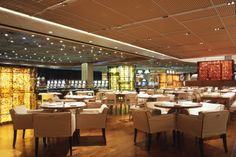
35 111
160 123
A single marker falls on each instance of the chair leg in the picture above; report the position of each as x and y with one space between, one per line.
70 145
174 137
104 135
135 135
200 140
44 142
14 138
149 141
77 135
23 135
36 146
224 142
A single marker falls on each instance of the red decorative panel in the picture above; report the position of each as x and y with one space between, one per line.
216 70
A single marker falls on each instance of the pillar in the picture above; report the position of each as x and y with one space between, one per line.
87 73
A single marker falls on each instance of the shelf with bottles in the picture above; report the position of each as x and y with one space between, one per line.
100 84
169 80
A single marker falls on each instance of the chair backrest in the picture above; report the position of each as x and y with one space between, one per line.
140 119
53 124
214 123
93 104
150 91
92 120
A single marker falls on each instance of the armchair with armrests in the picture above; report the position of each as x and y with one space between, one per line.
92 119
206 125
22 119
150 124
61 124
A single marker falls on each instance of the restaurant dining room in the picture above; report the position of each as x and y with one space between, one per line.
102 78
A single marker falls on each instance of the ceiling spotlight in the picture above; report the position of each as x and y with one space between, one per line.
90 41
63 45
201 43
51 43
100 49
48 38
61 49
187 33
50 32
6 35
32 35
218 28
13 51
82 45
25 48
136 52
47 51
39 46
65 54
11 41
116 47
115 52
35 54
79 51
96 58
23 38
61 41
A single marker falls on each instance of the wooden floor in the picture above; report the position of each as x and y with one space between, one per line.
119 143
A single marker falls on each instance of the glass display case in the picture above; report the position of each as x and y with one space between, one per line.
17 87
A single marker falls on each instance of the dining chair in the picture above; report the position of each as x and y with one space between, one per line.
92 119
60 124
204 126
22 119
145 122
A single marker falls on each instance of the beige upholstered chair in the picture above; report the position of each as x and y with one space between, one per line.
22 119
93 104
131 99
146 122
92 119
60 124
109 99
150 91
206 125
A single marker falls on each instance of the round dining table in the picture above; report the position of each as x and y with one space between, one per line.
62 106
178 107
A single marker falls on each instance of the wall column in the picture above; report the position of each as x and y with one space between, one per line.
87 73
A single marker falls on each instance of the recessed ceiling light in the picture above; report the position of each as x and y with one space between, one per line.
47 51
201 43
13 51
23 38
11 41
116 47
39 46
50 32
79 51
48 38
90 41
61 49
35 54
82 45
65 54
100 49
187 33
51 43
6 35
96 58
61 41
63 45
32 35
80 56
136 52
25 48
115 52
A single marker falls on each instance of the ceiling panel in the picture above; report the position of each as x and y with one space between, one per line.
196 15
214 36
229 21
95 12
179 6
66 18
204 25
166 25
184 38
226 10
141 9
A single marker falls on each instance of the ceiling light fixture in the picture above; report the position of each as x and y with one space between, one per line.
61 41
6 35
48 38
23 38
187 33
32 35
50 32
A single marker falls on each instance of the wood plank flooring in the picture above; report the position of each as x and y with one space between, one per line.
119 143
